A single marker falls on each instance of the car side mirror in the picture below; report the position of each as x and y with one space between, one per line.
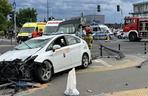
55 47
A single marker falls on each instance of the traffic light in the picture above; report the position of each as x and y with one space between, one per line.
11 16
118 8
98 8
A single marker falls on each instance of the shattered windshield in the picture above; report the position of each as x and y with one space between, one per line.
33 43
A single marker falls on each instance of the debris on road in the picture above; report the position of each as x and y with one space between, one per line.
13 87
90 91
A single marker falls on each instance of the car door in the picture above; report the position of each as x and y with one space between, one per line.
75 50
60 57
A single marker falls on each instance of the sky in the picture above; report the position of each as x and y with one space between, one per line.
65 9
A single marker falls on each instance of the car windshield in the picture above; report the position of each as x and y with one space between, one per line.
67 29
50 29
32 43
27 29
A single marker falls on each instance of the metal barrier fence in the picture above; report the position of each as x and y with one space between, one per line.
109 52
118 50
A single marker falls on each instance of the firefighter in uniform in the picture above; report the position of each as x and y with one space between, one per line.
88 37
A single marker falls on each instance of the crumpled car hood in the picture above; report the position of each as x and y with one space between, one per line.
18 54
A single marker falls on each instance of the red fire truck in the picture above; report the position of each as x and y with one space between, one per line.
136 28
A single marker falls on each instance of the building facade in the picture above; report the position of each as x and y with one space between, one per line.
140 9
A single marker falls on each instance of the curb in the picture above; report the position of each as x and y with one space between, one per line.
135 92
127 62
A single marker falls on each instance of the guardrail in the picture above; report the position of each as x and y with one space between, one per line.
111 52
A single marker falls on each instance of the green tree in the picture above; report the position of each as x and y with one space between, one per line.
5 9
26 15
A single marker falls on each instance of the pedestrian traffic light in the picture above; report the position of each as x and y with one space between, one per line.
118 8
98 8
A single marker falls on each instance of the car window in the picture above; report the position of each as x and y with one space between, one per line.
67 29
72 40
58 41
50 29
27 29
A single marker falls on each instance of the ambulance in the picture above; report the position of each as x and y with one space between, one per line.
27 29
51 27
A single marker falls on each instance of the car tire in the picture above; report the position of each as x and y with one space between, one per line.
85 61
44 72
132 37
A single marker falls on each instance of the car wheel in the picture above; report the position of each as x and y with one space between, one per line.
44 72
85 61
132 37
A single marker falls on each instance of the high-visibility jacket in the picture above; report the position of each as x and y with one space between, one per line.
35 34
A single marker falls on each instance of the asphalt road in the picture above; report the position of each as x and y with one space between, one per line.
95 83
6 44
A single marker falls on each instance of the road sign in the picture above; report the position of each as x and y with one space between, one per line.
14 5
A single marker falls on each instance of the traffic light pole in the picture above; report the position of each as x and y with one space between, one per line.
14 19
119 9
14 22
121 17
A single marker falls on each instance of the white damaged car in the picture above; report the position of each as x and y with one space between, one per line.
39 58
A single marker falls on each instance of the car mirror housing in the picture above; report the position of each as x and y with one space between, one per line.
55 47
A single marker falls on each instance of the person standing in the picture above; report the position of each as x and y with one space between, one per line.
88 37
37 33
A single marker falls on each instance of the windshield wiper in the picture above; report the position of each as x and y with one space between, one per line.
27 45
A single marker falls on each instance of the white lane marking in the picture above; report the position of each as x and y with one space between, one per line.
102 62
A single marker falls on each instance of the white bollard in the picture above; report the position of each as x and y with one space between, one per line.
71 84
